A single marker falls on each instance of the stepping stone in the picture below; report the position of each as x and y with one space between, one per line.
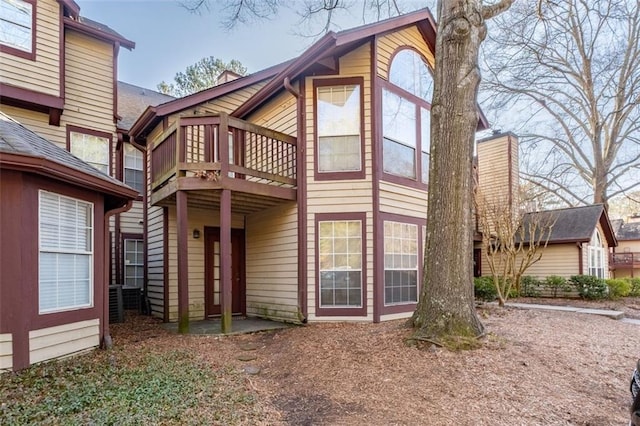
248 347
251 369
246 357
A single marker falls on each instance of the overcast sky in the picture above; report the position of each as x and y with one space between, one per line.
169 38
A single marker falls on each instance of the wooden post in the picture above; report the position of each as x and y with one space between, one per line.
225 260
183 262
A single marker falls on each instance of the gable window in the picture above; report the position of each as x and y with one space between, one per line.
340 265
133 175
406 120
400 263
338 124
65 277
596 255
17 25
133 262
91 147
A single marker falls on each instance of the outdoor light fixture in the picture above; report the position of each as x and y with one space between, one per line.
196 233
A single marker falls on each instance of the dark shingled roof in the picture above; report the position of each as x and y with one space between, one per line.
17 139
133 100
629 231
575 223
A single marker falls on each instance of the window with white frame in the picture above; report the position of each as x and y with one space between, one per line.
91 148
133 174
65 273
16 24
133 262
596 254
338 124
340 263
400 263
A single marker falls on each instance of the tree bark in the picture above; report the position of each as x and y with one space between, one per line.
446 306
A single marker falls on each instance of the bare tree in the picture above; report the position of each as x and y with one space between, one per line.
446 304
511 242
571 75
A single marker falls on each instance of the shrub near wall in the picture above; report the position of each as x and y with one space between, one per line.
619 287
484 289
590 287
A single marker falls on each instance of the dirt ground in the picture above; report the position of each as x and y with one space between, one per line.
533 368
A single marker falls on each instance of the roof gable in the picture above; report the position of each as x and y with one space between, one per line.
575 224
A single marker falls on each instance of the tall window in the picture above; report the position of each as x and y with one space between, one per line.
91 148
133 263
65 253
133 175
406 122
338 125
596 255
16 24
340 263
400 263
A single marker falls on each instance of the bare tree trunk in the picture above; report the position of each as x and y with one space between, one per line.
446 305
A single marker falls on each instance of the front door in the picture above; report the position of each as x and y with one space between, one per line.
212 272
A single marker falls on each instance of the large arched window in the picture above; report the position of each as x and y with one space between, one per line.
406 105
596 255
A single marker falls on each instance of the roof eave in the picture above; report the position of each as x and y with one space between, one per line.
95 32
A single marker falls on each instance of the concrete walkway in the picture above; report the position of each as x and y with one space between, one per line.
616 315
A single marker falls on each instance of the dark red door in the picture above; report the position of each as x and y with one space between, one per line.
212 272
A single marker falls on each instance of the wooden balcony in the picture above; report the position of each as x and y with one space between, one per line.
257 164
624 260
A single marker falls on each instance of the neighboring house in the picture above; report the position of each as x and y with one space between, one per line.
58 78
54 211
579 242
625 259
313 207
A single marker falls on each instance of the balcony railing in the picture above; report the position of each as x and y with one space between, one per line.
624 260
191 148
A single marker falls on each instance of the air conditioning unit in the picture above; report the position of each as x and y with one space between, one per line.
116 308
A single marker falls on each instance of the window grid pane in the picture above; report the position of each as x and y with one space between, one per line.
65 254
133 174
16 24
338 124
91 149
133 263
340 262
400 263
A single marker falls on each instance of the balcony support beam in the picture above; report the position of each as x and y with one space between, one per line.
183 262
225 261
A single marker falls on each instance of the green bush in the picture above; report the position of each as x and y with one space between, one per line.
484 289
557 285
635 287
530 286
618 287
590 287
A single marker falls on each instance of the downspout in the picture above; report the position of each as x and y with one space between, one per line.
106 337
302 204
580 261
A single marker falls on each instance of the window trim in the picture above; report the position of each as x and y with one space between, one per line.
91 132
122 169
323 176
598 251
92 255
123 238
34 31
341 311
421 224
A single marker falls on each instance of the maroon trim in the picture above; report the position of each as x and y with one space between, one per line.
117 252
96 33
376 171
32 101
360 174
580 261
406 307
83 130
71 7
183 261
226 274
165 263
62 48
34 33
359 311
114 98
